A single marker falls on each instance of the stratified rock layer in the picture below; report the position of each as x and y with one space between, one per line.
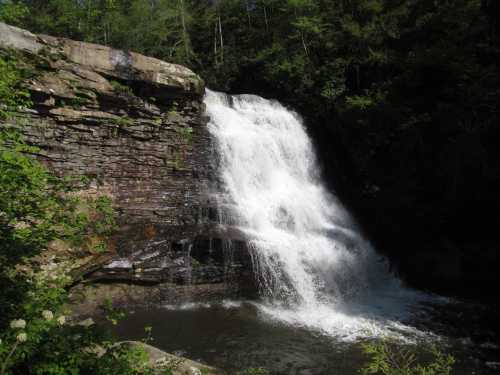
134 127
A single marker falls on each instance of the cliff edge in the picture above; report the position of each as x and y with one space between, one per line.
134 128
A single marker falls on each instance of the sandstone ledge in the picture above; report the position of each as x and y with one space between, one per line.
130 66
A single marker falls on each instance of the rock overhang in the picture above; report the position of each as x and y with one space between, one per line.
171 79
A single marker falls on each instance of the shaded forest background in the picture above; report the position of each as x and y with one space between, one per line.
401 97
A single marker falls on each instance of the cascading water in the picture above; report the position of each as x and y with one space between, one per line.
314 267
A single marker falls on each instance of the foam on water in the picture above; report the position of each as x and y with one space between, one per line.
187 306
314 267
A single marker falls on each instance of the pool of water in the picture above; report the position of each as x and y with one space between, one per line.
235 335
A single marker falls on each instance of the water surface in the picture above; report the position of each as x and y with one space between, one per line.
238 335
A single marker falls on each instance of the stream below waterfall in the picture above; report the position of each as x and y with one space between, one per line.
323 288
238 335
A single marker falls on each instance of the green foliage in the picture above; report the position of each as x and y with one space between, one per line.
37 208
178 163
391 358
121 88
159 28
123 121
121 359
359 102
254 371
78 102
29 205
112 314
149 332
104 216
186 133
12 12
11 96
41 341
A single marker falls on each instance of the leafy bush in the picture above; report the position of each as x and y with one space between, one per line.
390 358
36 209
11 95
12 12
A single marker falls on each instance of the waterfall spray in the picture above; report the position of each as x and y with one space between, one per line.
313 266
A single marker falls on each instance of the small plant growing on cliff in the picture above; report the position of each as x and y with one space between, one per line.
78 102
389 358
11 95
173 108
178 163
123 121
122 89
149 334
99 248
104 215
186 133
113 315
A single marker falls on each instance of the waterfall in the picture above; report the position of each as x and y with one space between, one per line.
313 266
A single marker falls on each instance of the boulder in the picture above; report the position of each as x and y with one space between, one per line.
177 365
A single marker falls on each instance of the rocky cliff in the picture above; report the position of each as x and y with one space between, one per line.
134 127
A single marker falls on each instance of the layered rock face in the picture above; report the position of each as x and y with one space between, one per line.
134 127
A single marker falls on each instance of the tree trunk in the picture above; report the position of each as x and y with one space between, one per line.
184 30
248 14
358 81
265 18
215 44
304 45
221 41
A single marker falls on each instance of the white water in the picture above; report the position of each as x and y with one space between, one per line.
314 267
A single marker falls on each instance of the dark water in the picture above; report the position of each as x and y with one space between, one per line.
235 336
